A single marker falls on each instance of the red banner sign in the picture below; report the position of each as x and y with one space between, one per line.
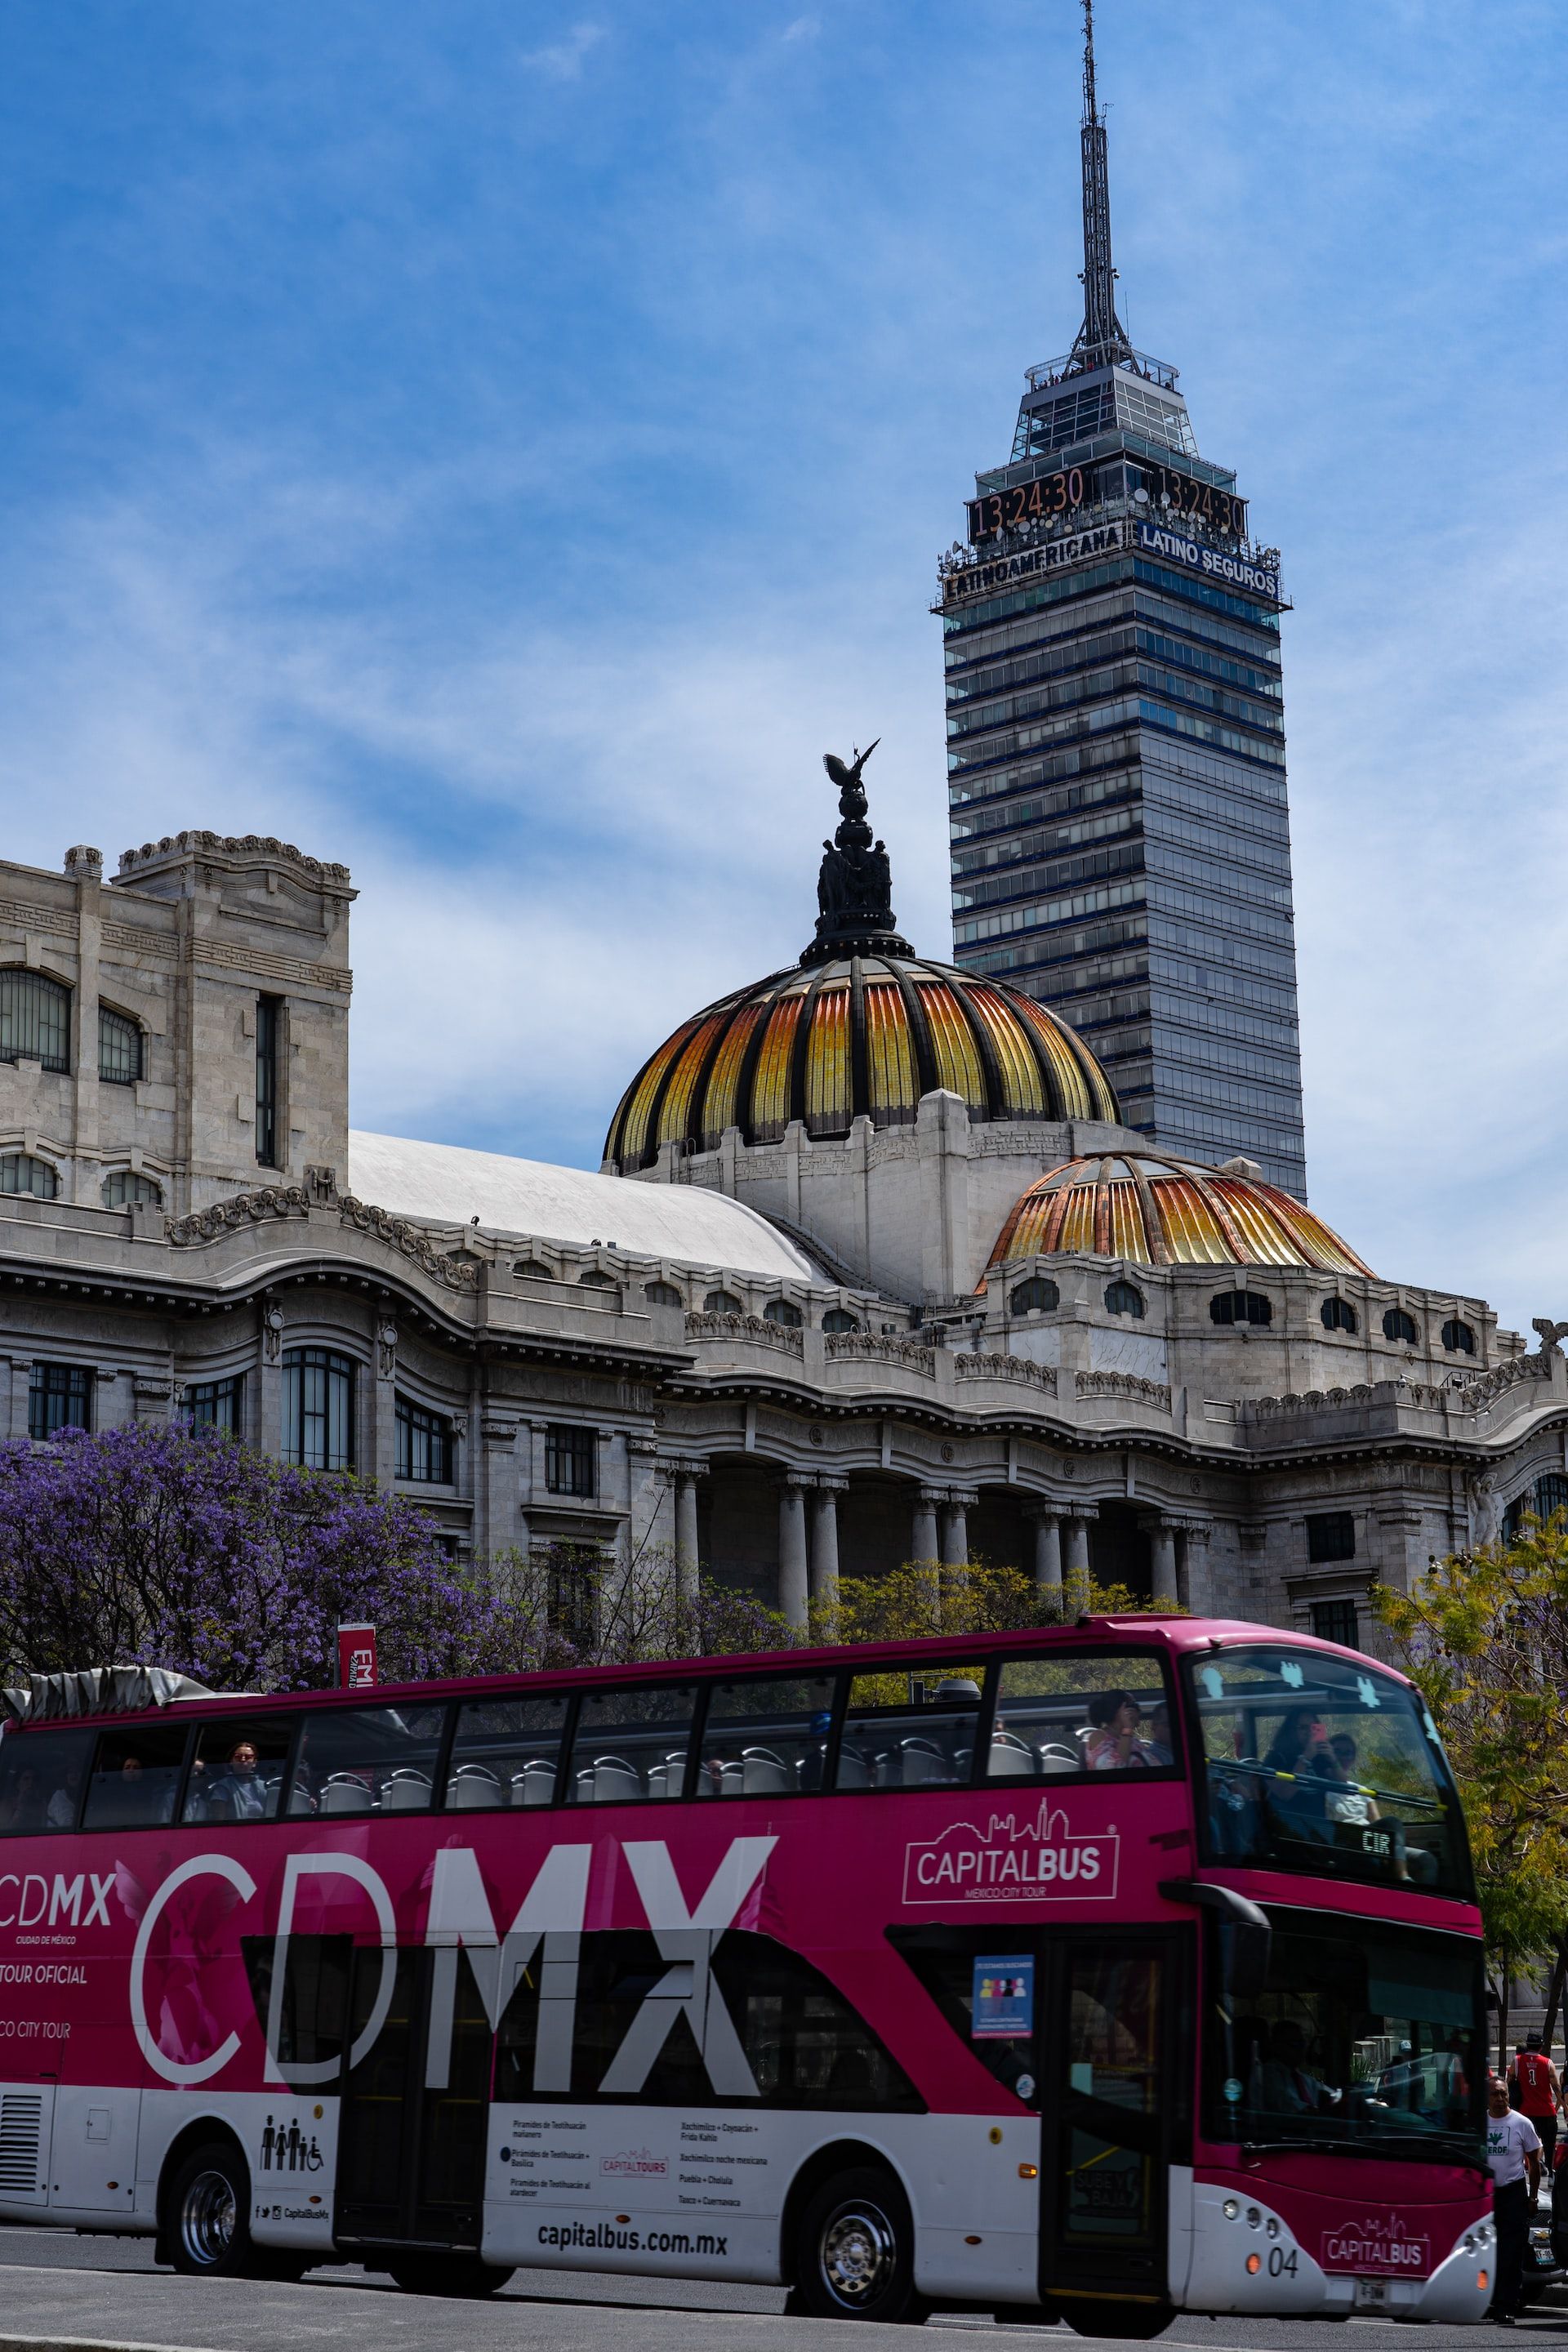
356 1657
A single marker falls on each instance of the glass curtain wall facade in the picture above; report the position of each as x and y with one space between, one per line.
1116 749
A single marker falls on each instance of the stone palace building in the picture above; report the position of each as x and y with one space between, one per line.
872 1272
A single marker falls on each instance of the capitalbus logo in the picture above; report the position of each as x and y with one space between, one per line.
1011 1860
1377 2245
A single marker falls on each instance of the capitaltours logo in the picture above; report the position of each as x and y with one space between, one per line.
1010 1859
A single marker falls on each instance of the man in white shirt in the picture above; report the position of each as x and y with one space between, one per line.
1513 2151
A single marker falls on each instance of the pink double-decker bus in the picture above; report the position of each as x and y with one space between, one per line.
1112 1971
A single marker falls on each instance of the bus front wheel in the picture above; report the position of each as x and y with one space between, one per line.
854 2257
206 2229
458 2275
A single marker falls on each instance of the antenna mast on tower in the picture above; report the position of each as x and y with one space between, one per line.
1101 340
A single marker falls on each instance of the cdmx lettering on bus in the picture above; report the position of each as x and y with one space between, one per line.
57 1900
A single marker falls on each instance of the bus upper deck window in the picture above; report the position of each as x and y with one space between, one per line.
135 1775
368 1759
911 1727
237 1774
766 1736
631 1744
507 1752
40 1781
1080 1712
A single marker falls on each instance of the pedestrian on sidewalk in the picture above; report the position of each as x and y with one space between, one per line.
1513 2151
1536 2090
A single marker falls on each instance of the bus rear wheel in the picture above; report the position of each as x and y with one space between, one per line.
206 2226
455 2274
855 2256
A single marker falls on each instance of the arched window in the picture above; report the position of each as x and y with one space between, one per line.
1123 1299
1038 1295
1458 1337
594 1280
20 1172
779 1310
1397 1325
119 1048
532 1268
1338 1315
35 1019
722 1302
663 1293
1240 1306
1549 1495
125 1188
838 1318
318 1408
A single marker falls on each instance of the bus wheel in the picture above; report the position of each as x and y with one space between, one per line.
205 2226
854 2257
457 2274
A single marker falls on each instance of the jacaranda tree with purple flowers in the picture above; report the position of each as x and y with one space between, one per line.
180 1548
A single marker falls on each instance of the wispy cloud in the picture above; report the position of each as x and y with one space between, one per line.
563 61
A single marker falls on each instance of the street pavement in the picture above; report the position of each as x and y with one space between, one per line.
60 2287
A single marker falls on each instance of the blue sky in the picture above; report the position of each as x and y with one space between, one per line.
502 448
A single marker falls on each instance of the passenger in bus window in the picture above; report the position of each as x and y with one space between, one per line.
1113 1721
1301 1764
22 1813
62 1810
1157 1752
239 1795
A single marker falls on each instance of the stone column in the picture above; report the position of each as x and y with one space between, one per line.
824 1536
686 1564
792 1571
1077 1541
495 1484
955 1527
383 1446
1047 1527
1163 1552
923 1544
1195 1569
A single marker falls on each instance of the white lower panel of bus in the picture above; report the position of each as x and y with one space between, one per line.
701 2195
290 2143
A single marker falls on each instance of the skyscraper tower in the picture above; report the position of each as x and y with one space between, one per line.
1116 751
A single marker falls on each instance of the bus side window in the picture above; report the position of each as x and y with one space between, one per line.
41 1776
910 1726
368 1759
631 1744
507 1752
766 1736
1080 1712
135 1776
239 1769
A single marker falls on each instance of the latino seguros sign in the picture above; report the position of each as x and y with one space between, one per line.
1011 1860
1210 562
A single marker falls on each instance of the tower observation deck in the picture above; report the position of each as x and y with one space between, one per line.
1116 752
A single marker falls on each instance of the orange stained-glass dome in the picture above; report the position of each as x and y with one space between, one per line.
866 1033
1160 1211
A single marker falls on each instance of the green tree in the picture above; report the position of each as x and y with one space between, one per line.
1484 1636
911 1602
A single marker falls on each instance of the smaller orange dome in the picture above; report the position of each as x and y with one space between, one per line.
1161 1212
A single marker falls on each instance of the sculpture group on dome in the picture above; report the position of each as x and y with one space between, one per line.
855 884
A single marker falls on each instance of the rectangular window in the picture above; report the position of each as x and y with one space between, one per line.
59 1396
570 1459
909 1728
216 1404
766 1736
239 1769
40 1781
135 1775
368 1759
318 1409
506 1752
631 1744
1330 1535
268 1022
423 1444
1335 1621
1092 1712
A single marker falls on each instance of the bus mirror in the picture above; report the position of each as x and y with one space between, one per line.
1251 1939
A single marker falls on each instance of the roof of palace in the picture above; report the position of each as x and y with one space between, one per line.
1158 1210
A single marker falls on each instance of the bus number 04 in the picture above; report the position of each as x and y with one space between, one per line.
1281 2261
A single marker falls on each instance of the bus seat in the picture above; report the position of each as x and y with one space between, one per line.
1056 1757
344 1794
613 1781
1010 1761
471 1786
852 1772
922 1764
731 1781
764 1774
407 1791
535 1784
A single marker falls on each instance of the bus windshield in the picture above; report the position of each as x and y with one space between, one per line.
1323 1764
1368 2038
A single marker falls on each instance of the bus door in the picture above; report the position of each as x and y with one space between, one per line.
411 2151
1109 2093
